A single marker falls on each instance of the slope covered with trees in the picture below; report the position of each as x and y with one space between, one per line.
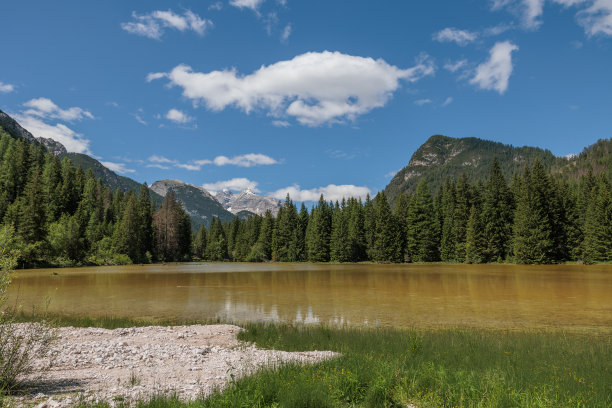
535 218
63 215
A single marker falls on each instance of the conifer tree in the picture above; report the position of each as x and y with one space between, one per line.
388 243
448 240
340 243
421 241
216 248
461 216
319 232
497 214
475 243
598 224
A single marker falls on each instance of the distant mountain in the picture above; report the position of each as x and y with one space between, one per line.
442 156
196 201
596 158
15 130
247 200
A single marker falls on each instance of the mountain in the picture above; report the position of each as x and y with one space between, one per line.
247 200
442 156
15 130
196 201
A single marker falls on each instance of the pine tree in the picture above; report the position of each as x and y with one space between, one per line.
199 243
461 216
598 224
216 248
32 214
319 232
475 243
497 215
448 240
421 241
340 244
400 212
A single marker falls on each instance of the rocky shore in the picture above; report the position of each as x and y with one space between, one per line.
126 365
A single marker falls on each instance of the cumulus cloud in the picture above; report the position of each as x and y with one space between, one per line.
117 167
235 184
460 37
331 192
72 141
152 24
45 108
250 4
6 88
494 73
315 88
245 160
178 116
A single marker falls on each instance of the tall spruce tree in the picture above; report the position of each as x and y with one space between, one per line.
422 232
497 215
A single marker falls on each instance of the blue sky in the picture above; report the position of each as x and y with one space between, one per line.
303 96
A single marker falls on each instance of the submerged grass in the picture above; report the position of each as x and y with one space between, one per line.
382 367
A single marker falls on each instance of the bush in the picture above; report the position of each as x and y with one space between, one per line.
20 344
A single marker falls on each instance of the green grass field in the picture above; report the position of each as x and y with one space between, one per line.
383 367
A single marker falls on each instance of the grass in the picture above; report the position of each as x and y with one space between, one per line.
428 368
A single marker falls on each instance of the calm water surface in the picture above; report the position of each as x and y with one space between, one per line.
390 295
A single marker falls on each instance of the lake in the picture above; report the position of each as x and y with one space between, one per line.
567 296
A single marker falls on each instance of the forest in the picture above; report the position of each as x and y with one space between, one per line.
56 214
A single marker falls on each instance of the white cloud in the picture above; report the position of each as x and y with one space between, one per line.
45 108
447 101
597 18
455 66
450 34
72 141
6 88
495 72
532 10
155 75
160 159
117 167
245 160
331 192
315 88
235 184
177 116
216 6
281 123
421 102
286 33
158 166
152 24
187 166
250 4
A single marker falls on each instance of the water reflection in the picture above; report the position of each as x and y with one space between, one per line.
389 295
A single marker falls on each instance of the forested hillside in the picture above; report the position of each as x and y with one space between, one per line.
442 156
535 218
59 214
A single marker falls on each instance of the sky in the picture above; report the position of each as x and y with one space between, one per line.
305 97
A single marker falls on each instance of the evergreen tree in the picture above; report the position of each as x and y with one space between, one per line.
448 240
199 243
32 211
475 243
421 241
598 224
318 233
340 243
461 216
216 248
497 215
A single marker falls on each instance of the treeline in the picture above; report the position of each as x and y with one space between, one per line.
61 215
536 219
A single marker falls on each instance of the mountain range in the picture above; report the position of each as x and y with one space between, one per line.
438 158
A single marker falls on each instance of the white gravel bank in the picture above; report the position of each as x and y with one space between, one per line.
136 363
